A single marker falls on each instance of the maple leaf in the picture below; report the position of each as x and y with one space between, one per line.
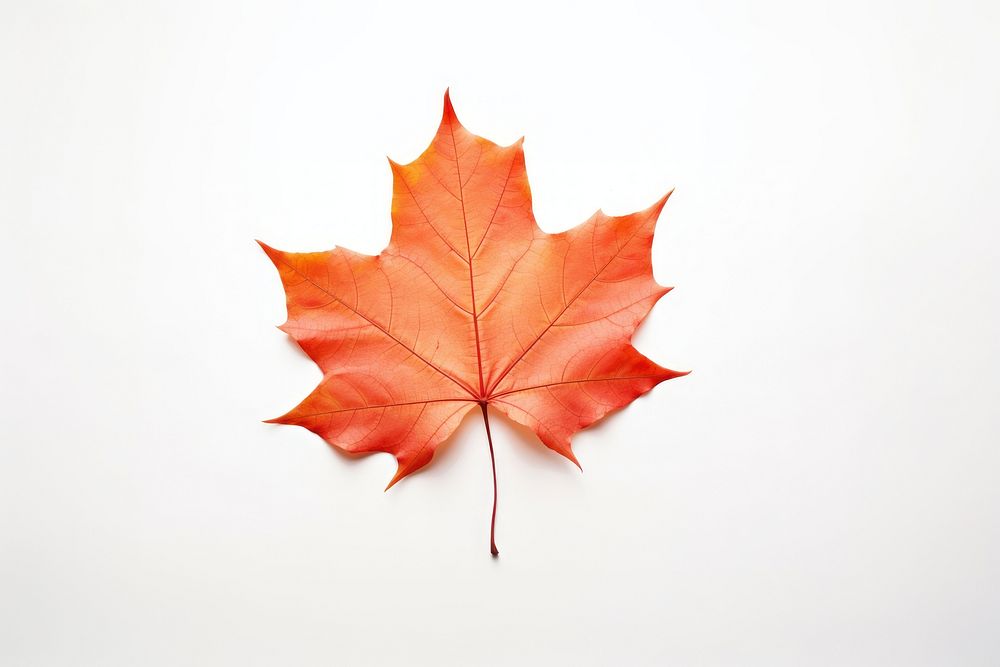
471 305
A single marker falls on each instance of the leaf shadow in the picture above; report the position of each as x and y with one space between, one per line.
602 433
527 444
524 440
504 430
443 461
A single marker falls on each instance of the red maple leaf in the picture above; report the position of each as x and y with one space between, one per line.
471 304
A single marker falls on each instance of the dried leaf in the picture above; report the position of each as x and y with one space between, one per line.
471 305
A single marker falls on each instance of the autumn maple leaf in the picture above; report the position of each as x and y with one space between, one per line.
471 305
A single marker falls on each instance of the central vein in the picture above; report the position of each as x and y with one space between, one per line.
468 254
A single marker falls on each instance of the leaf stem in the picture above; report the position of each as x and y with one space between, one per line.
493 463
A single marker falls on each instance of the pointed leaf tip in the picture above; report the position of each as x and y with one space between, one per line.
448 115
568 453
268 250
398 476
663 200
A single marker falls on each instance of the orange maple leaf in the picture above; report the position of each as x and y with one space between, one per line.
471 304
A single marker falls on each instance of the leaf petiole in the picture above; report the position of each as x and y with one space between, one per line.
493 463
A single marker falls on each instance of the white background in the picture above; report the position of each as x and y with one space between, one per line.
821 490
